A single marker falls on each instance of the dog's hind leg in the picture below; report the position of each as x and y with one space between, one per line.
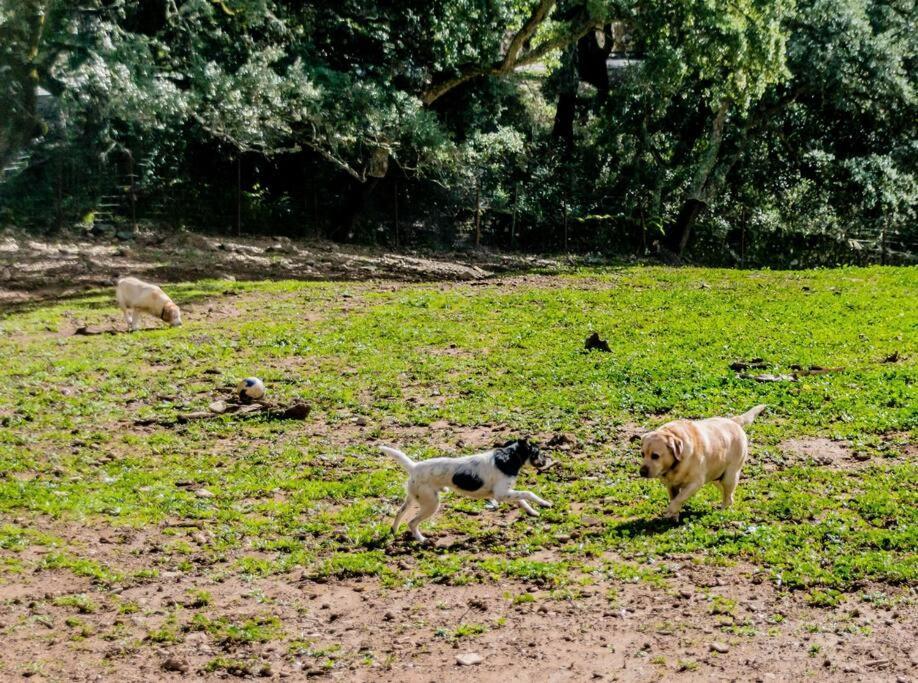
727 486
400 514
429 502
730 479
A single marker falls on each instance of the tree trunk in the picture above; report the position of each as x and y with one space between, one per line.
678 234
353 209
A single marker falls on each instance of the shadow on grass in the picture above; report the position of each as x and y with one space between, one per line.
651 526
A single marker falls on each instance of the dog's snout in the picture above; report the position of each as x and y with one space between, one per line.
644 471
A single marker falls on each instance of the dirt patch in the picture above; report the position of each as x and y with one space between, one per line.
836 454
817 450
707 623
33 270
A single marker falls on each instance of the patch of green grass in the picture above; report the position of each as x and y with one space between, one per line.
169 632
523 599
468 631
722 605
237 667
413 358
823 598
256 630
83 603
197 598
128 607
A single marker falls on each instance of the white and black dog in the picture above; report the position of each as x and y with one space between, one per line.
485 475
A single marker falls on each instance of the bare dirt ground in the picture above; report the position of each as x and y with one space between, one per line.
34 269
710 623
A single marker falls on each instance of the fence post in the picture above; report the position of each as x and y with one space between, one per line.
742 258
516 201
395 198
239 194
133 192
883 243
564 212
477 212
59 194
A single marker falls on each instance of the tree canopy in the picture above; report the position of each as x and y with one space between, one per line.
705 126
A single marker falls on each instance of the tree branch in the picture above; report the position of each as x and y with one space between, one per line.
525 33
512 59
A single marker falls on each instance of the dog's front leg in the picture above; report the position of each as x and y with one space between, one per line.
526 496
527 508
675 505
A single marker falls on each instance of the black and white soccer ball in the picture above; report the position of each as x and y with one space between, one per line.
251 389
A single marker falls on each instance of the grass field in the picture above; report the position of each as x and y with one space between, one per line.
828 501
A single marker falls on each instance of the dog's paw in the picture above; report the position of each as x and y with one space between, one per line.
672 516
546 504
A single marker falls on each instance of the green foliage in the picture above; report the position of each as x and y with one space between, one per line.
772 132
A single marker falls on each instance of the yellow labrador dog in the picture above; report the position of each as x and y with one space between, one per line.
685 455
136 296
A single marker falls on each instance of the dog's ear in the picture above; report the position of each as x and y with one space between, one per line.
676 445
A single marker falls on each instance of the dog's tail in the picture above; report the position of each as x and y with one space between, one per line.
403 459
747 417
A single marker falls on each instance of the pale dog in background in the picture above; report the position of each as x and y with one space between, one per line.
488 475
136 296
685 455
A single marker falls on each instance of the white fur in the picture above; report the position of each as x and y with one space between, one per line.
136 296
427 478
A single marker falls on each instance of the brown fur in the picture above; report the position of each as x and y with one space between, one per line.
685 455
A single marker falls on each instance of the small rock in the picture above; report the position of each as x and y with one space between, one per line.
469 659
361 421
218 407
175 664
203 493
722 648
